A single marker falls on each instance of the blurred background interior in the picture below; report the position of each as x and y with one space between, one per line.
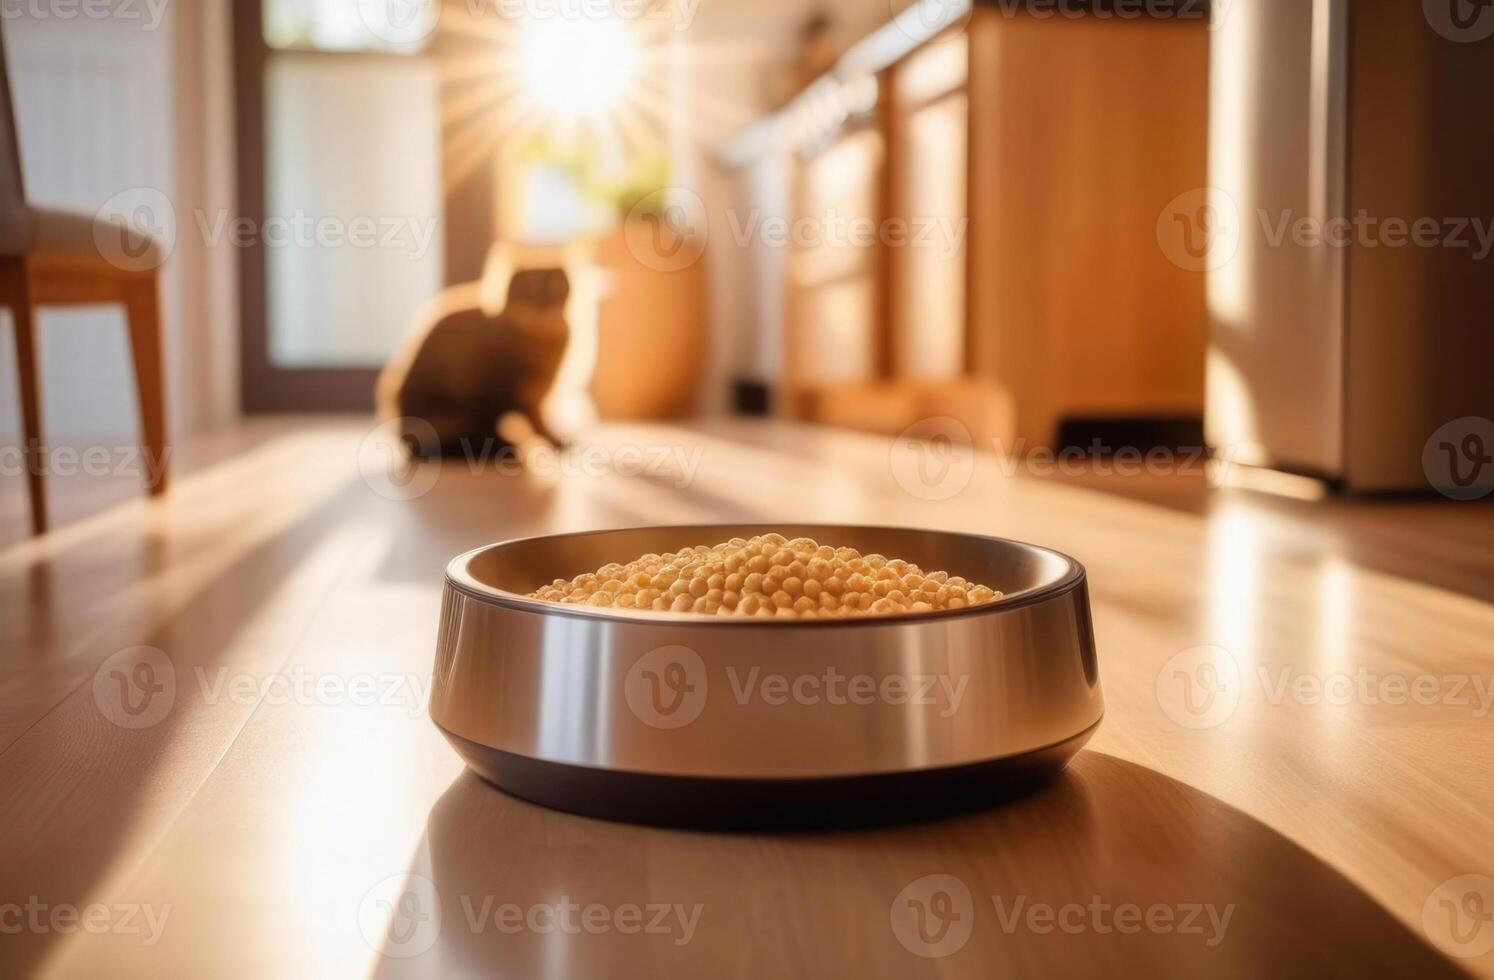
816 253
1039 220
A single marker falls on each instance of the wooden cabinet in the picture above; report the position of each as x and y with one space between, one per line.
1082 132
1013 173
834 335
651 339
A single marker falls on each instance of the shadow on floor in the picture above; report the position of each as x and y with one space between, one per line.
1227 895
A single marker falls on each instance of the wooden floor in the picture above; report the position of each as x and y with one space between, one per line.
254 827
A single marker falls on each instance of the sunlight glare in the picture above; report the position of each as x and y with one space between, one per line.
577 68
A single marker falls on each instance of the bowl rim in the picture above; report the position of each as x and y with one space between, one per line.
459 577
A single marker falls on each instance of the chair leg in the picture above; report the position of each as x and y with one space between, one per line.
143 309
17 295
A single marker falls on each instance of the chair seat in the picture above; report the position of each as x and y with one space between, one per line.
70 235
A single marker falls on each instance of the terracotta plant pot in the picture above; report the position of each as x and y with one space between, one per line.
652 326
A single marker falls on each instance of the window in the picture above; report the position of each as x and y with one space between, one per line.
400 26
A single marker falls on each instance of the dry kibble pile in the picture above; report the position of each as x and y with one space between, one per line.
769 575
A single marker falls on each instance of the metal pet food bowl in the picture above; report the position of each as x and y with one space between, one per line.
697 720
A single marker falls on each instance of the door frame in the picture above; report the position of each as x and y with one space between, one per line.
264 386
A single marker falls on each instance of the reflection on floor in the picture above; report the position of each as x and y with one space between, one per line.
267 806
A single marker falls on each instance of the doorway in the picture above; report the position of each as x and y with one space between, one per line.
338 228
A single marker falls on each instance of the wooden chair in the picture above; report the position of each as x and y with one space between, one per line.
57 258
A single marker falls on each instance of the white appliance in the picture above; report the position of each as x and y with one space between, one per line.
1350 285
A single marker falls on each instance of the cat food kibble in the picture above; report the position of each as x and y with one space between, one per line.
769 575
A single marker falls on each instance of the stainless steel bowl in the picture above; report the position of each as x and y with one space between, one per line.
693 719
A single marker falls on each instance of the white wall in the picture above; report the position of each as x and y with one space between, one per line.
732 51
735 52
104 106
108 105
356 139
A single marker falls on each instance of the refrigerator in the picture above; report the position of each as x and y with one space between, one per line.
1349 282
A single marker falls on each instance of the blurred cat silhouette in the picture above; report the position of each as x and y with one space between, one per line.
466 369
